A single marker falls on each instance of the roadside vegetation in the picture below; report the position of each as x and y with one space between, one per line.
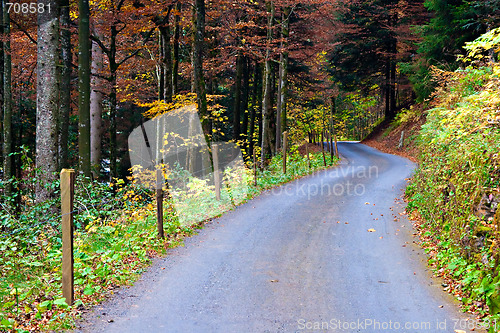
115 240
455 193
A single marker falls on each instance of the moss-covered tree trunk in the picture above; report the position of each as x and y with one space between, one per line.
198 76
1 82
166 59
255 106
65 97
7 106
96 108
84 87
237 97
266 144
281 120
175 48
47 106
244 105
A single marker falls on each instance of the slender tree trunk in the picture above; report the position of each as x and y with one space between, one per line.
113 163
84 48
267 85
7 106
198 76
47 98
284 71
278 108
281 112
161 69
246 93
65 97
166 58
1 82
96 107
255 106
175 49
113 68
237 97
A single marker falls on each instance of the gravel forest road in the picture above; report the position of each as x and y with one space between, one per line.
331 252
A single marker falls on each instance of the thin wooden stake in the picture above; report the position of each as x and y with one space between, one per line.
330 136
67 197
215 155
159 203
308 158
323 148
336 147
254 168
285 148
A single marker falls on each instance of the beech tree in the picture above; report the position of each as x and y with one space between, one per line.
7 103
198 76
47 106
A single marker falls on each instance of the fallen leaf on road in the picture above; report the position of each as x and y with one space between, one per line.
371 230
367 203
460 331
274 280
347 223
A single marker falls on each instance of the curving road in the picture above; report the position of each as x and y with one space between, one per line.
327 253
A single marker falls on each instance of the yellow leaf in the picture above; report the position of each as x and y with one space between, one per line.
371 230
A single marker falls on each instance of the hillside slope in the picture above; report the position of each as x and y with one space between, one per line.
455 192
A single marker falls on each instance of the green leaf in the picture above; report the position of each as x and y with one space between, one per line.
6 323
88 290
61 302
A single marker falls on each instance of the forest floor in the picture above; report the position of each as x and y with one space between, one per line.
387 135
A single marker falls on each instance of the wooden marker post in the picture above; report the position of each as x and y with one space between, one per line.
215 155
332 152
159 202
323 147
307 153
285 148
67 196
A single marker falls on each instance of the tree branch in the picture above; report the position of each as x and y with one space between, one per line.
101 44
24 31
138 50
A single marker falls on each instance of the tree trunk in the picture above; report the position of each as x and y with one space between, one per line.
113 163
113 67
175 51
1 82
255 106
8 171
237 97
96 100
84 87
266 99
281 114
284 71
161 69
65 96
166 59
47 98
198 76
244 108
